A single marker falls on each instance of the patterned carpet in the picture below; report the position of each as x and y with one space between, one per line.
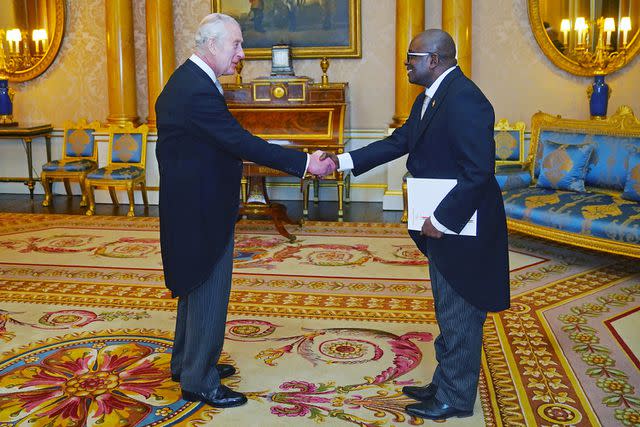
324 331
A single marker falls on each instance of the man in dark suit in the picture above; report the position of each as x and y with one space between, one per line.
200 150
449 134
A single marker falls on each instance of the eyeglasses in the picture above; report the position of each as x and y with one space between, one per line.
418 54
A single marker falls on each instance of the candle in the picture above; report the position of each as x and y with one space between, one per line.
625 27
565 26
580 26
609 27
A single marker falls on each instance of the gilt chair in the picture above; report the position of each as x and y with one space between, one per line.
125 167
79 157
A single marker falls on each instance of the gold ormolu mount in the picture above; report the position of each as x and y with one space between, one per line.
239 72
324 65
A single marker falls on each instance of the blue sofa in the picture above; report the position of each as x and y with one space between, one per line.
599 210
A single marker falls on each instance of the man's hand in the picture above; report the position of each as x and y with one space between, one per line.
333 157
320 166
429 230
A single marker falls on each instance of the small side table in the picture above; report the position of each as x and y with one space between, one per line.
255 200
27 133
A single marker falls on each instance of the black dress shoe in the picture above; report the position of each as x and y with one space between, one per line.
420 393
433 409
223 397
224 371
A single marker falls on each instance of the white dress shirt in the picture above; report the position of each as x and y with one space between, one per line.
346 162
207 69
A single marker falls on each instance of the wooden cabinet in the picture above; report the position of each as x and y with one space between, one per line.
309 115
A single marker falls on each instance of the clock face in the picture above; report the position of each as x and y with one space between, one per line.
280 57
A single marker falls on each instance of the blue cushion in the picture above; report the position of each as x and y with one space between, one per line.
608 164
632 186
564 166
512 179
69 165
590 214
129 172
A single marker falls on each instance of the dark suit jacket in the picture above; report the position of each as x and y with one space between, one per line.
199 150
455 140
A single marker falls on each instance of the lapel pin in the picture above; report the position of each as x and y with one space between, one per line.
433 103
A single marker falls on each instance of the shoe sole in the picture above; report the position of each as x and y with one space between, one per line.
231 405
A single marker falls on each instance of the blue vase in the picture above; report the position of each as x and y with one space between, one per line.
599 97
6 107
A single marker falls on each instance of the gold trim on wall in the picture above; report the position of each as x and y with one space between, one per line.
354 50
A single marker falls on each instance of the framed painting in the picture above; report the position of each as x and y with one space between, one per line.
313 28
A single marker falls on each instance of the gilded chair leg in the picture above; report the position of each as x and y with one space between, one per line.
92 202
316 191
131 201
143 189
305 197
340 198
244 184
405 206
46 184
83 190
67 187
114 196
347 188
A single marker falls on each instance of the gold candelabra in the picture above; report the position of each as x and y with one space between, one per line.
607 54
19 50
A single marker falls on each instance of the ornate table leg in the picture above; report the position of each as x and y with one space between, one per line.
30 182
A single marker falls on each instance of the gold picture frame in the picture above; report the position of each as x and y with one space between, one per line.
313 28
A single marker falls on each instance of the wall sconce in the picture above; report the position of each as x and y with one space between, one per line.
40 38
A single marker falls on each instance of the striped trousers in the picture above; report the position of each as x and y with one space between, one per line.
200 328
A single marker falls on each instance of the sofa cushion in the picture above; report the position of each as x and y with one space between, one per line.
564 166
608 165
588 214
511 178
632 186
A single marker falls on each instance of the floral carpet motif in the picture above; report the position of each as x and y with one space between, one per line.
323 331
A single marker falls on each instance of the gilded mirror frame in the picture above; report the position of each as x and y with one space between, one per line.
563 62
48 58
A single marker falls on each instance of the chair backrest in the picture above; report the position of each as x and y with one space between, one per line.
128 145
79 140
509 140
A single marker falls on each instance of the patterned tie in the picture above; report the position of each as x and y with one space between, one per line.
424 106
219 86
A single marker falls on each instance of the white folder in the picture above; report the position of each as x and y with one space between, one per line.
424 195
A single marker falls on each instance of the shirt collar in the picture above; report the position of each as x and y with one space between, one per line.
431 90
200 63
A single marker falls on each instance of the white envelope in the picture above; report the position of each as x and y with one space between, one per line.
424 195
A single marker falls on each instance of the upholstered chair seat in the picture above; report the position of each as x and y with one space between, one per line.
69 165
117 173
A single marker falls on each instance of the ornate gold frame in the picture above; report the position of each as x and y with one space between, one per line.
354 50
565 63
52 52
624 124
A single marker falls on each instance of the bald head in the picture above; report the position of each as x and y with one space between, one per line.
439 42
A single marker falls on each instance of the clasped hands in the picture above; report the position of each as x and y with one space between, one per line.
322 164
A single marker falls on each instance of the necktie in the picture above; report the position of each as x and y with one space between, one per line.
424 106
219 86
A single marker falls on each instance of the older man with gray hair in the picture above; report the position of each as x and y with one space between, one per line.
200 150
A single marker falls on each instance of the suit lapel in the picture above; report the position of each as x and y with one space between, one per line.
436 101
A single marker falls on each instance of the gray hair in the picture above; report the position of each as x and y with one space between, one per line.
212 27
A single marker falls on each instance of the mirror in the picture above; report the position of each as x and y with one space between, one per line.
30 36
587 37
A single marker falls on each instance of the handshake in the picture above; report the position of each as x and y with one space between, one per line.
322 164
